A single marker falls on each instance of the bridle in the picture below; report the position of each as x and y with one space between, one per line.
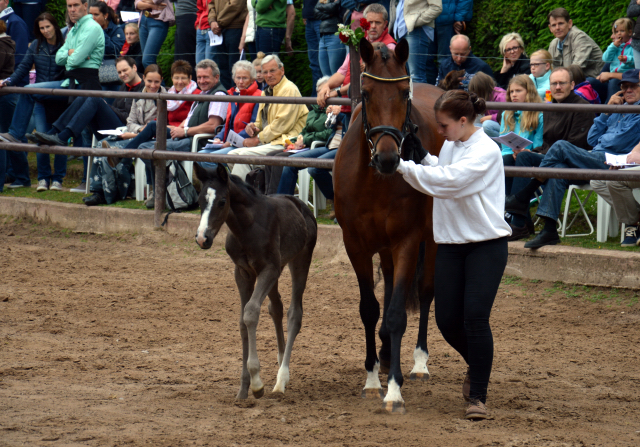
397 135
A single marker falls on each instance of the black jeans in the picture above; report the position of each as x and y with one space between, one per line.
467 277
185 47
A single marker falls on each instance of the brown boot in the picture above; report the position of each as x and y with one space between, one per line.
476 410
466 386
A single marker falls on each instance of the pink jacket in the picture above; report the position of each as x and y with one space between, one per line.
499 95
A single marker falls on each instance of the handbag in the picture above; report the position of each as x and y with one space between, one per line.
107 72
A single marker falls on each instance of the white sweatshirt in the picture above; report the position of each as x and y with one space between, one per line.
467 183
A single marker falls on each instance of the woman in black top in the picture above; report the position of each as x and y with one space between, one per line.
515 60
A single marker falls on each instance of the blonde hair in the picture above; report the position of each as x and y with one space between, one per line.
258 59
508 38
543 55
624 22
529 119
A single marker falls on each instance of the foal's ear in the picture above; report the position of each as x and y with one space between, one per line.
402 51
222 173
202 173
366 51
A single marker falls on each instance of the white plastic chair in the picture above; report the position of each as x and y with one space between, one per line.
610 222
319 200
571 194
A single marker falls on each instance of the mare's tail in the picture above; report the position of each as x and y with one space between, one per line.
412 302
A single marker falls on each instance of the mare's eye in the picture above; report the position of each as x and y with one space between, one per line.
222 203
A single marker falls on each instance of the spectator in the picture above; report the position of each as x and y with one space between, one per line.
485 87
257 64
275 122
462 59
619 55
125 5
514 60
185 38
248 39
132 46
110 176
114 39
415 21
633 10
614 133
540 71
331 50
81 54
29 10
619 194
291 21
452 20
42 54
203 47
7 60
312 36
271 20
583 88
156 18
18 30
572 127
226 18
573 46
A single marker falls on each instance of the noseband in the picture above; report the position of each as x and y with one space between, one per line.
395 133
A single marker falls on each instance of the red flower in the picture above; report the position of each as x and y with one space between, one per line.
343 38
364 24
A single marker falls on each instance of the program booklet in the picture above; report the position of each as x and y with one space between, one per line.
235 139
513 140
618 160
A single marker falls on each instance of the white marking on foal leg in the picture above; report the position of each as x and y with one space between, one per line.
420 370
393 392
204 219
283 380
372 387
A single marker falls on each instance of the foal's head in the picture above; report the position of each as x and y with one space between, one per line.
214 203
385 94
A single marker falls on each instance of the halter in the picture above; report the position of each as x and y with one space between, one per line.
397 135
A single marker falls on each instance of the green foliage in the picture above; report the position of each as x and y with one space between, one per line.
492 19
165 58
58 9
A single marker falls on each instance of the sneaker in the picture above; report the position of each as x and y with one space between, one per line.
56 186
50 140
476 410
8 138
16 185
43 185
31 138
82 188
150 202
543 238
630 236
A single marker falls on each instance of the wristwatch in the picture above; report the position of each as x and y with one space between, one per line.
338 92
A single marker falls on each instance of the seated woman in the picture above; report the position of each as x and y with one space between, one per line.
113 41
111 179
540 71
582 87
515 60
526 124
485 87
132 46
619 55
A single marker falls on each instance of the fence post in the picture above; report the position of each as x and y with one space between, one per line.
354 55
159 190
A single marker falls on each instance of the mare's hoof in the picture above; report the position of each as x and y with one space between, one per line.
372 393
394 407
419 376
258 394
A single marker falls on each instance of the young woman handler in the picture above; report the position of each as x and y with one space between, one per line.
467 184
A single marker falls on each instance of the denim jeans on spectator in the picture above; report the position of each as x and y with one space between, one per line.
146 135
636 58
209 164
203 49
269 40
88 111
491 128
111 87
323 177
7 105
29 12
152 35
226 54
25 105
312 36
15 163
331 54
419 45
185 39
563 154
439 49
290 173
181 145
44 160
250 50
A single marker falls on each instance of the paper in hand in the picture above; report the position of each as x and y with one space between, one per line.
513 141
235 139
214 39
617 160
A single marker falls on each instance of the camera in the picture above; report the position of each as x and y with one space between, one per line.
331 120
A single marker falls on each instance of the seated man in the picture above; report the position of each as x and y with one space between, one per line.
611 133
619 194
572 127
462 59
275 122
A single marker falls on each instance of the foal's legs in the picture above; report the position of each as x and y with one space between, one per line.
245 282
276 311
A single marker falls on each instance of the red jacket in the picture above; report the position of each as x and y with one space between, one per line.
239 112
202 17
177 116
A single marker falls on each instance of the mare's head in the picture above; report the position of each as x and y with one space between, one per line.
213 201
386 90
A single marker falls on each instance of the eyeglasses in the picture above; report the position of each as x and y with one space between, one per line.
626 87
559 84
512 49
537 64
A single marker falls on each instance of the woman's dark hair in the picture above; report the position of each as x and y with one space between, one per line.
36 28
578 74
3 26
458 103
181 66
152 68
106 9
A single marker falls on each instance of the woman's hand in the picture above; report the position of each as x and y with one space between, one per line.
604 77
227 144
485 118
323 94
506 65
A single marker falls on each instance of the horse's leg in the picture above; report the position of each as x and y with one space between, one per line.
245 282
421 352
276 311
386 263
267 278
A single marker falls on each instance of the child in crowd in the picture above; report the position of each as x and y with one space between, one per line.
540 71
582 87
257 63
619 55
485 87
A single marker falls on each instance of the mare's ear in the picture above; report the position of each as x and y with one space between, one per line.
366 51
402 51
222 173
202 173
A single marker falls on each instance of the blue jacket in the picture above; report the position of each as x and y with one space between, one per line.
113 41
455 11
44 60
472 65
615 134
17 29
534 135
